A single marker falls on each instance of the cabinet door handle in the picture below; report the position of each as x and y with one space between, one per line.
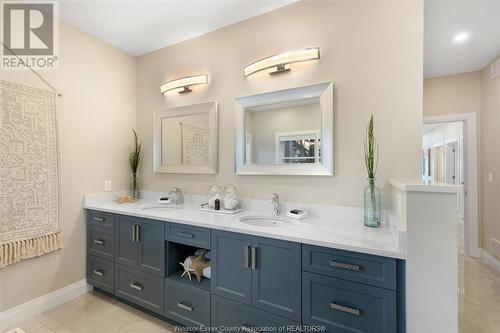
98 241
345 309
136 286
185 306
343 265
98 272
99 219
254 258
247 259
185 234
138 233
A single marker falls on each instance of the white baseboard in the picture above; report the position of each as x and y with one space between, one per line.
490 260
43 303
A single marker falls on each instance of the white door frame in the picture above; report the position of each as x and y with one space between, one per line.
470 158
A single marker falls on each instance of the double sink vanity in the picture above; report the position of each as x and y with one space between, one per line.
327 272
268 272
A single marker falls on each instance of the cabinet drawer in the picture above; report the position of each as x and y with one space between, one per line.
229 314
101 273
101 242
194 236
344 306
100 219
187 305
140 288
364 268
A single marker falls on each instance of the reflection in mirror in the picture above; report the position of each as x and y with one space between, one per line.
283 133
185 140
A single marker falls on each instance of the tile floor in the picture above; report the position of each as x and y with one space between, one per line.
478 294
94 313
479 310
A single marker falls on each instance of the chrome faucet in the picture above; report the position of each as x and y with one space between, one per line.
177 193
276 202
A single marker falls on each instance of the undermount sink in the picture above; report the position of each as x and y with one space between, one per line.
161 206
264 221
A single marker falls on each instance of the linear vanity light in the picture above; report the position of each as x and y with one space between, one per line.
281 62
183 84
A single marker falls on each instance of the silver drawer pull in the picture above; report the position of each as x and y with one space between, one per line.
136 286
185 306
345 309
185 234
343 265
253 252
98 241
98 272
99 219
247 259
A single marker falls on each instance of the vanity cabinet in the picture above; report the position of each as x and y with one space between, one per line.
227 313
256 284
140 244
101 273
344 306
143 289
258 271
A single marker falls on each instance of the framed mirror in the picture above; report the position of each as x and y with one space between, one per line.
286 132
186 139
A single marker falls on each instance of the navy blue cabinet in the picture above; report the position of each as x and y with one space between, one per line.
126 250
344 306
231 272
143 289
256 282
276 277
230 314
140 244
186 304
262 272
150 235
358 267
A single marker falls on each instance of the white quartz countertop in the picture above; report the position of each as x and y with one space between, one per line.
339 232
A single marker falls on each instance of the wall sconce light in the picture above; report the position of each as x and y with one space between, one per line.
183 85
281 62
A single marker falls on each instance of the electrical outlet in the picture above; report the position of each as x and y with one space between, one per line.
490 177
107 185
495 247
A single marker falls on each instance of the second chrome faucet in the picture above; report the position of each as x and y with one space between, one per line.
276 204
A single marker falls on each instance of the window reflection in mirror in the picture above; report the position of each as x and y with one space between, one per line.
283 133
185 140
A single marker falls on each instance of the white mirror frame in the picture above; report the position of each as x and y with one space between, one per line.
325 93
213 138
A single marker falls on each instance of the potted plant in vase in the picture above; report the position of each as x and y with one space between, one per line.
371 204
134 159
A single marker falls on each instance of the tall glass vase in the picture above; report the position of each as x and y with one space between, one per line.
134 187
371 205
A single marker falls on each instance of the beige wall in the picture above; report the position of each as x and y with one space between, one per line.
96 115
490 158
474 92
452 94
374 66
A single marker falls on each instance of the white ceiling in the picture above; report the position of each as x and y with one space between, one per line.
139 27
444 19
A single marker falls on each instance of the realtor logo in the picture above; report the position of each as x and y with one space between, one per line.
29 35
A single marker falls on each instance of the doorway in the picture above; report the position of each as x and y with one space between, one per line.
450 156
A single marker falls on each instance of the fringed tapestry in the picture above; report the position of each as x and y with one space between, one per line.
30 188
